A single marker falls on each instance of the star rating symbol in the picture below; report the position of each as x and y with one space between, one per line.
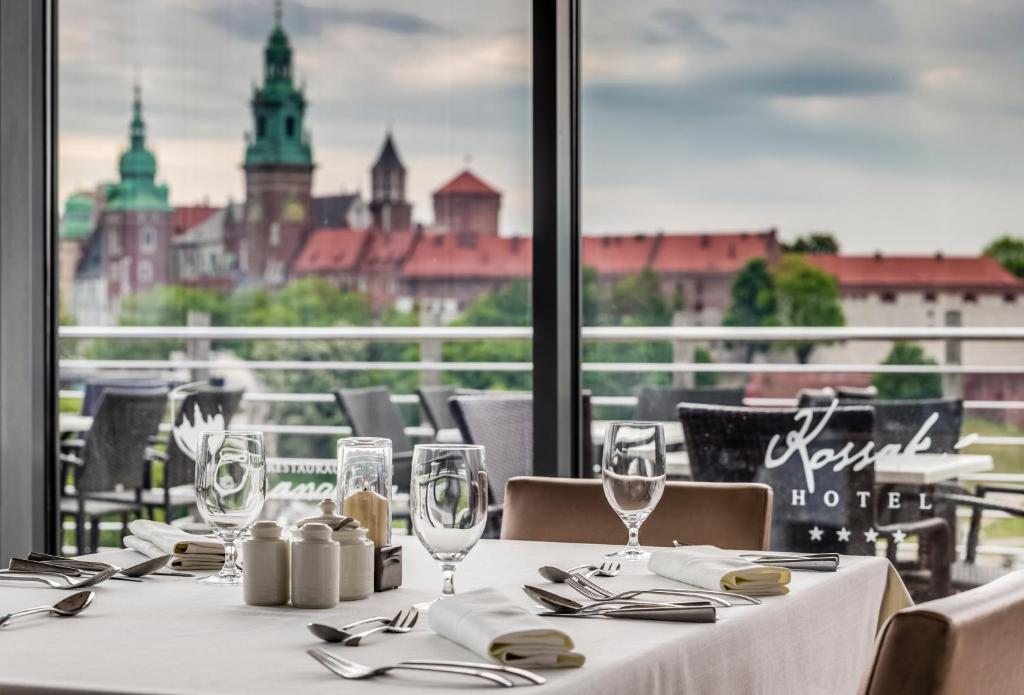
844 534
899 537
871 535
816 533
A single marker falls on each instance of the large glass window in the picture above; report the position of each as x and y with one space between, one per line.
794 166
293 165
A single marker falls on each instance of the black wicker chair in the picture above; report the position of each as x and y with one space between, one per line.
179 469
503 424
660 404
967 573
731 445
108 474
95 388
434 402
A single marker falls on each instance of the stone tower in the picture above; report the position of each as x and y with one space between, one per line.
278 169
388 205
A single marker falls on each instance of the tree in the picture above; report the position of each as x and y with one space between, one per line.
895 386
704 380
753 301
807 296
1009 251
816 242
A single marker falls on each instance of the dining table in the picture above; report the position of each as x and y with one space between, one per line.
168 635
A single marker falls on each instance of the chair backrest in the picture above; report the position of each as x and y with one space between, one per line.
660 404
371 413
209 400
896 422
730 515
503 424
115 448
434 401
95 388
731 444
960 645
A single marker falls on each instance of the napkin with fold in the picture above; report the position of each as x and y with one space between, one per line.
708 567
188 551
487 623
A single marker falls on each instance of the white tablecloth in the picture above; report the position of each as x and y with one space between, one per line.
171 635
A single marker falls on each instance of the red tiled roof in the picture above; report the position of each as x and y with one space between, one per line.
389 248
910 272
786 384
331 250
185 218
618 255
470 256
712 252
466 182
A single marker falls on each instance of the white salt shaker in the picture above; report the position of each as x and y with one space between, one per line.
356 562
266 577
315 568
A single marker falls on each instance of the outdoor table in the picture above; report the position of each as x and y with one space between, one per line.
172 635
673 432
71 423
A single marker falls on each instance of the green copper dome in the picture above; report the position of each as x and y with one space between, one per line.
278 110
138 189
77 221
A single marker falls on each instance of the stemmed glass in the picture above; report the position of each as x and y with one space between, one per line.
231 486
633 470
448 503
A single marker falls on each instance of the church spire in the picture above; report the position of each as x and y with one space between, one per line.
138 189
138 126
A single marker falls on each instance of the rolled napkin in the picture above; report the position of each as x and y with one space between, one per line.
188 551
708 567
487 623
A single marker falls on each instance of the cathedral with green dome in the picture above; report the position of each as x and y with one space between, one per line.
137 189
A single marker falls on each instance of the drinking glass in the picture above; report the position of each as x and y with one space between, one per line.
448 503
633 470
231 486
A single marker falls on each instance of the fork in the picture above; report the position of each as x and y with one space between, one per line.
402 622
605 569
353 671
54 580
581 583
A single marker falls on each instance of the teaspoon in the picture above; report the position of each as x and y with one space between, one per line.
68 606
340 634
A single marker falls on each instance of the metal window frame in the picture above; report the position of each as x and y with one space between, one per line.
28 315
556 238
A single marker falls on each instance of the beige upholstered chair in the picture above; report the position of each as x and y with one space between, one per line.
965 644
729 515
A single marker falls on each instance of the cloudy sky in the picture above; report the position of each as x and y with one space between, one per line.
896 124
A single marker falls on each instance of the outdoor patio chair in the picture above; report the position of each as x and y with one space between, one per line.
95 388
659 404
967 573
434 402
732 515
111 461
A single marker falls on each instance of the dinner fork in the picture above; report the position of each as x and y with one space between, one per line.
403 621
353 671
59 581
605 569
580 582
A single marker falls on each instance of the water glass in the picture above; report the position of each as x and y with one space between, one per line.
231 486
448 503
633 471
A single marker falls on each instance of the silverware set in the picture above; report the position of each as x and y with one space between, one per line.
493 673
56 580
810 562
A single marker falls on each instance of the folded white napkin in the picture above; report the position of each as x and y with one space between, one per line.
708 567
490 625
188 551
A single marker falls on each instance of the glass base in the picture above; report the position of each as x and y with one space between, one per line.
629 553
222 579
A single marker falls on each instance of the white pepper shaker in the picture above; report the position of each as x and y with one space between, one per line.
356 562
266 577
315 568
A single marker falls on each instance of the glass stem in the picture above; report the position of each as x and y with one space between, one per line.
229 557
448 577
634 533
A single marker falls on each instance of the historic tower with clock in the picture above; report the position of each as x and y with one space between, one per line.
278 170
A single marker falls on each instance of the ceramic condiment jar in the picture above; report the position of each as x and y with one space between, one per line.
355 551
315 568
266 579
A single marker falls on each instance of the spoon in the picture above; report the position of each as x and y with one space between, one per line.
562 604
340 634
68 606
142 569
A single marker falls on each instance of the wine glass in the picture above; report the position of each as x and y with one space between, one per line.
448 503
231 486
633 470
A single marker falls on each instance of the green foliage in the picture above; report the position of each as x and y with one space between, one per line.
704 380
510 306
1009 251
896 386
817 242
753 301
807 296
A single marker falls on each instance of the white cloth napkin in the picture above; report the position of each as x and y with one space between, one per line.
188 551
708 567
487 623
